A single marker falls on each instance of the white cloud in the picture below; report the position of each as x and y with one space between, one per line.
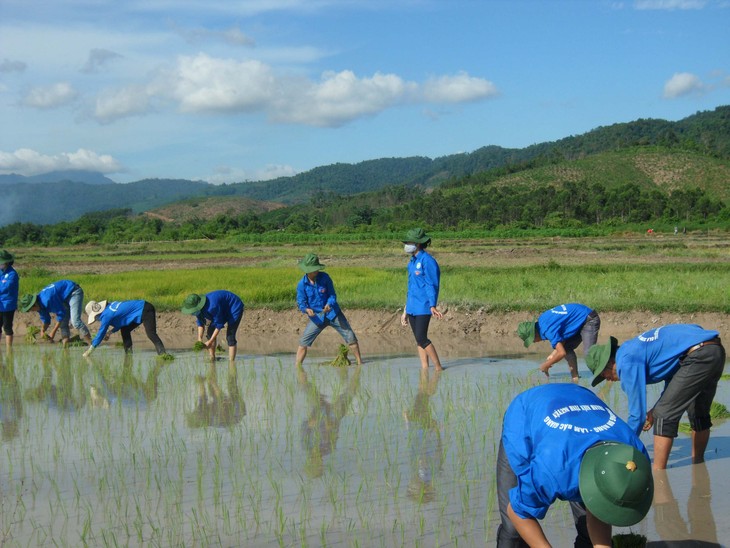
204 83
225 174
8 65
233 36
458 89
52 96
98 58
681 84
114 104
340 98
25 161
669 4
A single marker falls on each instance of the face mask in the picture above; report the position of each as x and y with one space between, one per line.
409 248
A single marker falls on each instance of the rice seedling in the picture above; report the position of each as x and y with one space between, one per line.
375 455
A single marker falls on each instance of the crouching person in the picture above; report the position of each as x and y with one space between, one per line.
65 299
559 441
125 317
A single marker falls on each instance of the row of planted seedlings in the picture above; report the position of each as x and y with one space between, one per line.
138 451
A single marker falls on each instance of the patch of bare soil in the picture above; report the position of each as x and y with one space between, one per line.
458 334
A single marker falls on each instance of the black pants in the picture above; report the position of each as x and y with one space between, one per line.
149 321
419 326
6 322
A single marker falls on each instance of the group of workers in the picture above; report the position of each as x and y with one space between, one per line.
559 440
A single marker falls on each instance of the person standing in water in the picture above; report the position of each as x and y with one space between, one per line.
9 284
317 299
424 277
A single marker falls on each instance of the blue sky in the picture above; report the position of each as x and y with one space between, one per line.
228 91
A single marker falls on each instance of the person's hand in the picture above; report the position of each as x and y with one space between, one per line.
436 313
208 343
309 312
326 308
649 422
88 352
545 368
403 320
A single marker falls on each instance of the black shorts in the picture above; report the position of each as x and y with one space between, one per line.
419 326
6 322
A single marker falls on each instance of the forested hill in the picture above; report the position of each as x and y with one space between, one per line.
47 203
705 134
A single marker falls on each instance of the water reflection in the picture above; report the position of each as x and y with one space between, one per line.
110 385
11 401
61 385
321 428
424 439
214 406
668 520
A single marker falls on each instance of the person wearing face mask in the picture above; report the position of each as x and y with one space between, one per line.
422 297
8 295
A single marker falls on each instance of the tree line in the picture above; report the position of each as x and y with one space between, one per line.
484 207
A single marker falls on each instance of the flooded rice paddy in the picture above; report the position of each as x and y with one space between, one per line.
117 451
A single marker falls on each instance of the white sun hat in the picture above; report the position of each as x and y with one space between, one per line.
93 309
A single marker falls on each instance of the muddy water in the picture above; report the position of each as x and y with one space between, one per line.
133 452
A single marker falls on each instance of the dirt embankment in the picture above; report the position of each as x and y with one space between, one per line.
458 334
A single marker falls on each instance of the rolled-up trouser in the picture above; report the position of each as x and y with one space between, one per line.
588 335
692 389
507 535
339 323
74 309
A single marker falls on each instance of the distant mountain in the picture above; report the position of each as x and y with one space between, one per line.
705 132
75 176
48 203
66 198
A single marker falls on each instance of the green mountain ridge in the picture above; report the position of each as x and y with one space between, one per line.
692 152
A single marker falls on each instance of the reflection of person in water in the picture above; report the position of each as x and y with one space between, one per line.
11 402
61 385
424 439
667 518
213 406
109 386
321 428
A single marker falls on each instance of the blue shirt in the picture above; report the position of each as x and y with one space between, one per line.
221 307
317 295
424 276
546 431
559 324
9 284
54 298
118 314
653 357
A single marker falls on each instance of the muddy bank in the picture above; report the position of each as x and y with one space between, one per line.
458 334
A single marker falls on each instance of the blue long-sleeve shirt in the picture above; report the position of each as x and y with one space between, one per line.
424 276
317 295
116 315
54 298
653 357
221 307
9 286
562 322
546 431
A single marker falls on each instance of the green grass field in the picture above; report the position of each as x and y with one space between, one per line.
659 274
